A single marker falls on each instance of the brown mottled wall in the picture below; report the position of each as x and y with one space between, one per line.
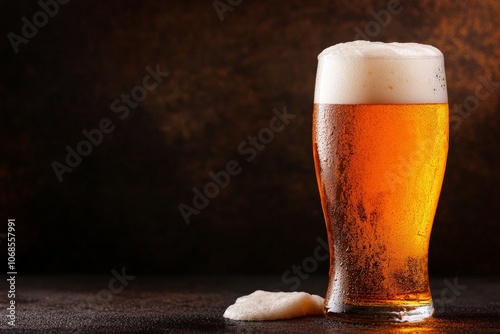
119 205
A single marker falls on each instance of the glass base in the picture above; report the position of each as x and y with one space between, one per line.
378 313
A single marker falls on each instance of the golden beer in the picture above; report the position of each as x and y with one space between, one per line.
380 165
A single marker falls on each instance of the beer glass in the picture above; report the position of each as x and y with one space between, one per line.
380 142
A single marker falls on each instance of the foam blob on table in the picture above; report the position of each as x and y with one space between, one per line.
264 305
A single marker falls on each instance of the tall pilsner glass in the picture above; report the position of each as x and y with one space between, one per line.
380 141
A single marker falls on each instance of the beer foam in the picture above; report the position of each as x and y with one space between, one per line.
363 72
264 305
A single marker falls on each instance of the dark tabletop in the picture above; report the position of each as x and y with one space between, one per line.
195 304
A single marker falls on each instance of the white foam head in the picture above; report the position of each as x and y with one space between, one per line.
363 72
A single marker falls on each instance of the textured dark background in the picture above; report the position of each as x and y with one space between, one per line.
119 207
